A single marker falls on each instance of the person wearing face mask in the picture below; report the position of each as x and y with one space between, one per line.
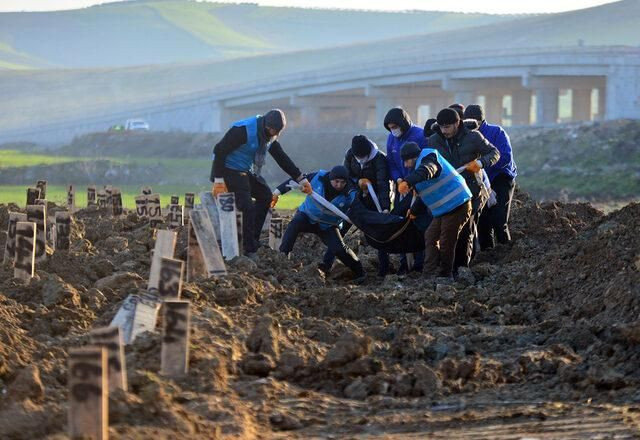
461 146
366 164
336 187
402 130
237 161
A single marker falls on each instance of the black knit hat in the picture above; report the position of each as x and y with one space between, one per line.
447 116
361 146
459 108
428 131
275 119
474 111
409 151
338 172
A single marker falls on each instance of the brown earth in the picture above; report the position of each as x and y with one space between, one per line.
539 338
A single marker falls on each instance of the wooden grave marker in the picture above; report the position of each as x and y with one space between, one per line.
170 284
91 197
195 261
239 229
42 186
38 215
154 210
176 216
51 230
228 225
208 243
211 206
102 200
137 314
62 230
10 243
174 355
88 393
33 194
111 339
165 247
175 200
116 202
24 265
189 203
276 232
71 199
108 189
141 207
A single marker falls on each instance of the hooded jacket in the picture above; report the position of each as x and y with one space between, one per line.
499 138
375 169
410 133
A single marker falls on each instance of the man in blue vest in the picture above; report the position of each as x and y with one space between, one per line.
494 220
311 217
447 196
237 161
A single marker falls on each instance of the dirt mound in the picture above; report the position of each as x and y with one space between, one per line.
280 347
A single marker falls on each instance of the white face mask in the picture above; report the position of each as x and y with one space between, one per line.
396 132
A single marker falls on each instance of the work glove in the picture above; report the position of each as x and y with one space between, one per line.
362 183
474 166
219 187
305 186
274 199
403 188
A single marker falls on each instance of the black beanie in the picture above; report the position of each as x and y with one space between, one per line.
409 151
474 111
428 131
447 116
361 146
338 172
275 119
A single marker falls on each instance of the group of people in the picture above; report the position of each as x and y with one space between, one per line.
436 197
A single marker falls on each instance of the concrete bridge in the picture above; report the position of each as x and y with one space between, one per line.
539 86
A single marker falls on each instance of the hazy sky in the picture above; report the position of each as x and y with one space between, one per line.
490 6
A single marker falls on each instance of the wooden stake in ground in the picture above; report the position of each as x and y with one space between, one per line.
195 261
42 186
239 229
33 194
62 230
275 233
38 215
116 202
165 247
10 244
102 200
137 314
111 339
71 199
154 210
211 206
175 200
208 243
189 202
24 261
108 189
170 284
228 230
176 216
141 207
88 393
91 197
175 339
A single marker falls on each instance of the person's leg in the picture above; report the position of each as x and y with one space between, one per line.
504 188
383 263
333 240
418 261
485 229
432 252
298 224
238 183
452 225
262 194
329 258
464 246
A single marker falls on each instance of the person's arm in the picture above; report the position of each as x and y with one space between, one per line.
284 161
394 170
429 168
348 157
503 144
489 154
382 182
283 188
232 139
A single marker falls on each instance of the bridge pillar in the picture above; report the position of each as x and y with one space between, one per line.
546 105
581 104
602 104
383 105
623 92
494 110
521 107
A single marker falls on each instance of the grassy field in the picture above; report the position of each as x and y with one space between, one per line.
58 193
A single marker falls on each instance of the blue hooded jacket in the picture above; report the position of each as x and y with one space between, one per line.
499 138
410 133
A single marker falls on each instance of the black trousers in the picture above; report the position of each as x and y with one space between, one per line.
467 238
247 187
331 237
494 222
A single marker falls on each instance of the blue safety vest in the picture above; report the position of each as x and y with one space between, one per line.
447 191
318 213
242 158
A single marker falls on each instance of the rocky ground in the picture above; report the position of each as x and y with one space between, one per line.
539 338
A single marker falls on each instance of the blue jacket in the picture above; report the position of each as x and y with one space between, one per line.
242 158
396 164
444 193
318 213
499 138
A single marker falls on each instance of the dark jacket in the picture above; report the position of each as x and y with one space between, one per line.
466 146
410 133
377 171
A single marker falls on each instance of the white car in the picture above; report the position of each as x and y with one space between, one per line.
136 125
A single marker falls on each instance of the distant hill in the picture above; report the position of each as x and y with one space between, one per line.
173 31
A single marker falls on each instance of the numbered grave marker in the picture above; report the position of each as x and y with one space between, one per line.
42 186
176 216
108 189
111 339
141 207
91 197
228 229
51 231
71 199
154 210
195 261
165 247
275 233
33 194
211 206
62 230
175 200
10 244
174 356
88 393
116 202
137 314
102 200
239 229
170 284
189 202
208 243
38 215
24 261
